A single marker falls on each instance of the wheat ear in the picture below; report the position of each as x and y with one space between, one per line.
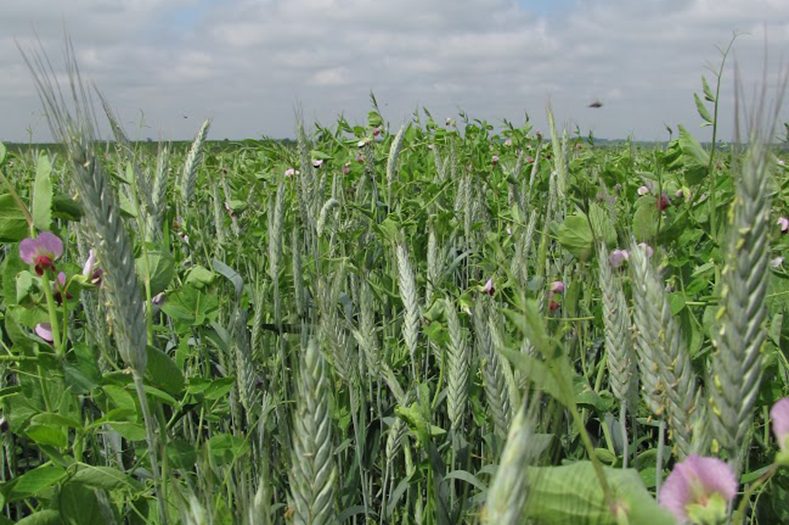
313 474
666 374
740 333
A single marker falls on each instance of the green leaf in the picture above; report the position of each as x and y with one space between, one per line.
575 236
79 506
163 371
602 224
105 478
128 430
538 372
571 494
702 110
47 435
42 194
158 266
692 158
708 96
24 283
645 218
13 226
230 274
33 482
66 208
2 153
200 277
43 517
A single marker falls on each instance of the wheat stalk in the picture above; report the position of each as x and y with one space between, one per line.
459 363
407 284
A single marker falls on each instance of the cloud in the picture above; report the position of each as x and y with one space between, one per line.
248 63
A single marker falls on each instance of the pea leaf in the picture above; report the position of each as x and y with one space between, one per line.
42 194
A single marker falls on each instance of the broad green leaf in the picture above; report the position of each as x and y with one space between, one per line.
2 153
128 430
158 266
702 110
79 506
571 495
47 435
575 236
66 208
42 517
602 224
33 482
708 96
24 283
42 194
105 478
199 276
225 448
645 218
13 226
692 158
163 371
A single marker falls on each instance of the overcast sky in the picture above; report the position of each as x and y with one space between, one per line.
165 65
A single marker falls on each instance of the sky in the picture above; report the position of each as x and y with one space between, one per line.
165 65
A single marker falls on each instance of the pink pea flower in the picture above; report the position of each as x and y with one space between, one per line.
41 251
647 249
698 490
642 190
779 413
494 159
376 131
508 143
783 223
346 168
362 143
317 163
556 287
290 172
489 288
60 288
44 331
777 262
617 257
87 268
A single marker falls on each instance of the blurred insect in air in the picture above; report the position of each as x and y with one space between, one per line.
596 104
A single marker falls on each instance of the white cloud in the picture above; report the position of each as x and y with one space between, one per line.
248 63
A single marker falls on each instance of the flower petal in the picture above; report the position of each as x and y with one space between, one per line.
779 413
51 243
27 250
44 331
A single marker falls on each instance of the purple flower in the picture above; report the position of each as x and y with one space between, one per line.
44 331
779 413
617 257
783 223
646 248
494 159
41 251
346 168
508 143
556 287
489 288
698 490
317 163
290 172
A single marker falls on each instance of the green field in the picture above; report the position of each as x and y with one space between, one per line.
443 322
